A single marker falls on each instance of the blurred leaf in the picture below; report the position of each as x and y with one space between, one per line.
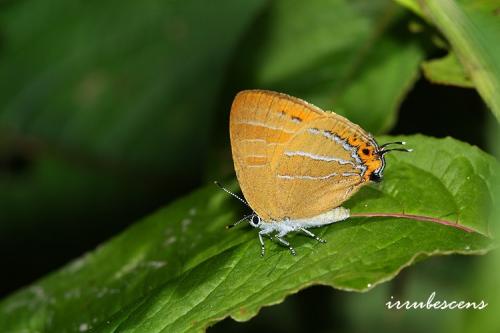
447 70
472 28
412 5
355 57
119 80
180 271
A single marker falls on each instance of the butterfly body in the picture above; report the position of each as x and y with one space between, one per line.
288 225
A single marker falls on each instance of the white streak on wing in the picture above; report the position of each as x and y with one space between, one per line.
307 177
256 123
318 157
349 174
335 138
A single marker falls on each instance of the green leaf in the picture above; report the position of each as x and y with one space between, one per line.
356 57
179 270
447 70
412 5
472 28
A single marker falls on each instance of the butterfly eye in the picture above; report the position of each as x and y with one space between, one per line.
255 221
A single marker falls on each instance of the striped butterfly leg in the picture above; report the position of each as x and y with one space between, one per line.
285 243
310 234
261 240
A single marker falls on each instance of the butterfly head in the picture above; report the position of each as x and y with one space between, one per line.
377 174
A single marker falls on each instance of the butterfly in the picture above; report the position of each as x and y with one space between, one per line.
296 164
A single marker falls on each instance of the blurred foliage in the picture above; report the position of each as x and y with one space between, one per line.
447 70
472 29
111 82
109 110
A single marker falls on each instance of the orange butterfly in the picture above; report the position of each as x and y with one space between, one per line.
296 164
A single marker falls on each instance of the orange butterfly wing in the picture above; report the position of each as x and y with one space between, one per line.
290 157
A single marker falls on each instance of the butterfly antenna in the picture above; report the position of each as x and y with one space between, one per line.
239 221
382 152
392 143
231 193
